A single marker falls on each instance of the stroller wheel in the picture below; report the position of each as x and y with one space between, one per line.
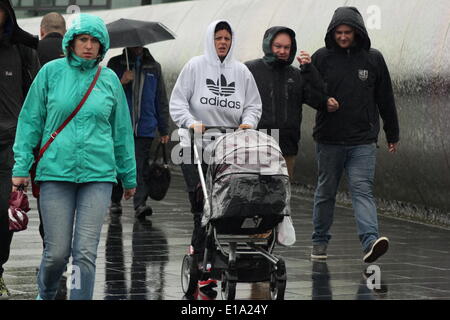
278 281
228 288
189 275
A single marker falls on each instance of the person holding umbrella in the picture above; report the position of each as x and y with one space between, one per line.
143 82
147 100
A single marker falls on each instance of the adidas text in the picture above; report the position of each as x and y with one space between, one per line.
221 103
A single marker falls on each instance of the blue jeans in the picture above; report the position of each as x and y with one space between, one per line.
73 216
358 162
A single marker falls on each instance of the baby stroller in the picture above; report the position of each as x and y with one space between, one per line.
246 195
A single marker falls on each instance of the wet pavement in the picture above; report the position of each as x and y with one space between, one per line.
142 260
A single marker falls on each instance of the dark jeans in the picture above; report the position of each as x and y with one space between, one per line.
142 148
6 164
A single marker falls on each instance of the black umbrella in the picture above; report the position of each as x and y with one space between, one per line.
136 33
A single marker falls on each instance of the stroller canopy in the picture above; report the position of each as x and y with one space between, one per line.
247 181
246 151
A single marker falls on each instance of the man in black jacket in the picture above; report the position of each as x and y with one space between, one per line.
53 28
346 131
284 88
18 66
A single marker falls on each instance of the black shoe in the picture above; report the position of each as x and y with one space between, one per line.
319 252
142 212
116 208
61 293
377 249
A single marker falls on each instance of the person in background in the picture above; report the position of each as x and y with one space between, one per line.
284 88
18 66
147 99
53 28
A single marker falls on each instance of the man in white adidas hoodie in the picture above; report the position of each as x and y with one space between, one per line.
212 90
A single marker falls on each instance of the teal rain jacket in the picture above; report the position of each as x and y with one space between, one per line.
98 144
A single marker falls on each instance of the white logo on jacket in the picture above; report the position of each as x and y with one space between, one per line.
363 74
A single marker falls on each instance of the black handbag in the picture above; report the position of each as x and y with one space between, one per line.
158 176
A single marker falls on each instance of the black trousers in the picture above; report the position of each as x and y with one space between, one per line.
6 164
142 148
192 180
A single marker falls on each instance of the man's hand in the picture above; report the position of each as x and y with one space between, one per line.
128 193
198 127
332 105
18 181
164 139
393 147
127 77
245 126
304 58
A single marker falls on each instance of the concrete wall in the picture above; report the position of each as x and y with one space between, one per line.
414 38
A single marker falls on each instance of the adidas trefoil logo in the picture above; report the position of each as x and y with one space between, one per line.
224 89
221 91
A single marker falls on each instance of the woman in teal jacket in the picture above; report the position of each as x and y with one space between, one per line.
77 171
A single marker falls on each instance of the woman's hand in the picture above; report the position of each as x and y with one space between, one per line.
20 181
198 127
128 193
245 126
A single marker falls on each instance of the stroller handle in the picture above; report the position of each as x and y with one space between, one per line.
221 129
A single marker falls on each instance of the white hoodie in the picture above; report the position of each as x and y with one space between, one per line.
214 93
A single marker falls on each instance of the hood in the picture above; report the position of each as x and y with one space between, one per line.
269 56
349 16
210 49
13 32
89 24
147 57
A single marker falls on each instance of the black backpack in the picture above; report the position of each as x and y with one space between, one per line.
158 175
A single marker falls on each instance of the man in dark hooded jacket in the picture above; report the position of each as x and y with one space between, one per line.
284 88
18 66
346 131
